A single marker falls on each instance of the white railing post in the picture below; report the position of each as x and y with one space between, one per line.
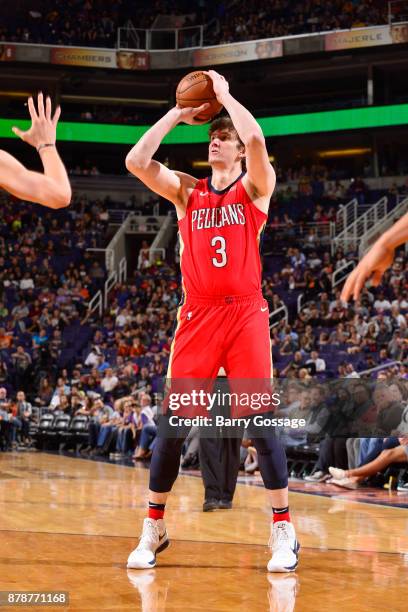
109 284
122 270
153 252
285 317
340 274
96 303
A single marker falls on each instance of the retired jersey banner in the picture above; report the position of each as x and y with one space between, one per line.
7 53
399 33
239 52
132 60
358 38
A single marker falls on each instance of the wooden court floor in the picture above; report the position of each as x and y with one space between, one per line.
69 524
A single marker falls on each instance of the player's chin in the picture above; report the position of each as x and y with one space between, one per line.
213 158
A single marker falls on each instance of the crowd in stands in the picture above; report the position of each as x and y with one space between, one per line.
94 23
274 18
56 357
46 278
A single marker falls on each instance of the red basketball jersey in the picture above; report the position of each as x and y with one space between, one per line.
219 241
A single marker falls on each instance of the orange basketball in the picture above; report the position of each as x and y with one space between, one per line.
194 89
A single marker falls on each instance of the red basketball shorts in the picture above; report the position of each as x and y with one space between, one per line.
230 332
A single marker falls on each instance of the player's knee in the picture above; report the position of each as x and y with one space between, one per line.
276 483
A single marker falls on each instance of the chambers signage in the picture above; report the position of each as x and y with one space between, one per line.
100 58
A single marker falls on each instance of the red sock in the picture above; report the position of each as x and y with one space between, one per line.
156 511
281 514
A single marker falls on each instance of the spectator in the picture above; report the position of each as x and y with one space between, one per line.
149 428
109 381
24 414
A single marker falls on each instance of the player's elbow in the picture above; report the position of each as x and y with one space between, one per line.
136 163
255 139
61 199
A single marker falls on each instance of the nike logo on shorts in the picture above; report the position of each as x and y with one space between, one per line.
264 309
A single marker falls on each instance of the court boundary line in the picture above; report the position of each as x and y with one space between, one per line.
98 535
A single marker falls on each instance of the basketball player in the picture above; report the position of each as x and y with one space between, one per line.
378 259
51 188
224 320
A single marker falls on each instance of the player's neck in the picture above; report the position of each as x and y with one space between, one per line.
223 177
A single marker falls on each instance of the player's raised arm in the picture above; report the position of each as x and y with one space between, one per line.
52 188
260 173
140 162
378 259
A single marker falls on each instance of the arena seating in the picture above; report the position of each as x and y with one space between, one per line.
132 338
91 23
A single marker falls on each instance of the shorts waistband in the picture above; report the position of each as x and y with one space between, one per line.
223 300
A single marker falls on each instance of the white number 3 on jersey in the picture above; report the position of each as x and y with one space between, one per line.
217 262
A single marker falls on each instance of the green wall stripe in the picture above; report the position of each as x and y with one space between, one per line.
286 125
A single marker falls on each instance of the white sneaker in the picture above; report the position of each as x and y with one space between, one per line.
346 483
285 548
151 543
337 473
318 476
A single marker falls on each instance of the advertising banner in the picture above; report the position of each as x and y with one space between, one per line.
100 58
358 38
239 52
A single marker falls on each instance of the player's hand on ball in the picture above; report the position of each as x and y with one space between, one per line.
43 128
189 114
220 84
372 266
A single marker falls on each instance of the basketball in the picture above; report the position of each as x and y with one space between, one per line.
194 89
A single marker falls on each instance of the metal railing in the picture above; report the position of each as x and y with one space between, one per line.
96 303
377 230
324 233
346 215
163 238
160 39
384 366
122 270
109 285
153 253
349 239
397 12
299 302
99 301
117 276
282 310
117 217
109 256
342 273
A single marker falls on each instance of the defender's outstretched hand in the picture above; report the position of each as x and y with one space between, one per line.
43 127
50 188
372 266
377 260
